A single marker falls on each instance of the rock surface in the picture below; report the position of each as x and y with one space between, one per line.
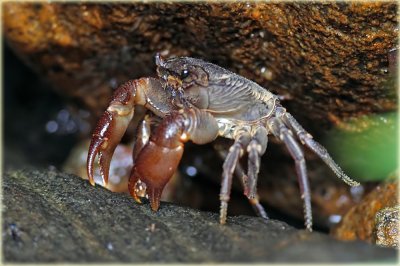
387 227
360 221
49 216
332 59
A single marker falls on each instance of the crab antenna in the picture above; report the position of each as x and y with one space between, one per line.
159 60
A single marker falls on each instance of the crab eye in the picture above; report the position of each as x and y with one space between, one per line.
184 74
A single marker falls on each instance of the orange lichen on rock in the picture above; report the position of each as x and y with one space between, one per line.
359 222
42 27
25 39
387 227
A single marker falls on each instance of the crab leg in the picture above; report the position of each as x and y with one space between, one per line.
254 201
239 173
256 149
307 139
231 160
114 121
283 133
143 133
159 158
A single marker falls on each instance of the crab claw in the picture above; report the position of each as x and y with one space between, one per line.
158 160
155 166
109 131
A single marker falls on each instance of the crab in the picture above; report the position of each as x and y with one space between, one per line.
199 101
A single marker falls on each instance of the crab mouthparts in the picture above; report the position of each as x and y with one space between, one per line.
174 82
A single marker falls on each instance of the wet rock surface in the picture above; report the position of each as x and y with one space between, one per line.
49 216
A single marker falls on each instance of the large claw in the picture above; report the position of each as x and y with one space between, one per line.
110 129
155 166
160 157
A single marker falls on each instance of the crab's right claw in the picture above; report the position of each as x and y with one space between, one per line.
108 133
99 145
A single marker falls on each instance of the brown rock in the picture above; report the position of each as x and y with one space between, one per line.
359 222
328 58
387 227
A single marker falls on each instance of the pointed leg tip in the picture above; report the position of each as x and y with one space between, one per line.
352 182
154 197
308 225
155 205
222 220
223 212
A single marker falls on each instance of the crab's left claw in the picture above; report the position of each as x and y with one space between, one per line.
109 131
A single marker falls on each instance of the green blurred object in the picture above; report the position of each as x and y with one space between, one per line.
366 147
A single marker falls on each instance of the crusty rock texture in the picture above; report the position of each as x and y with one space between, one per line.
50 216
330 59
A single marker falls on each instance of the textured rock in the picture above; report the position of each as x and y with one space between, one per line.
331 59
360 222
387 227
49 216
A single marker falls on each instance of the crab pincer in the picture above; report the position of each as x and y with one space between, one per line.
110 129
160 157
112 125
